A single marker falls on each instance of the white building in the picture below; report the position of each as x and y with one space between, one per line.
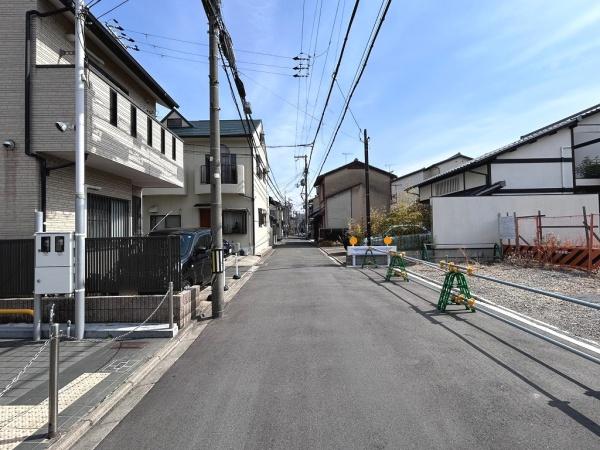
244 169
127 150
560 162
403 190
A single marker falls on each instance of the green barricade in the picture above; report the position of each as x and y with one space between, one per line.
396 262
455 278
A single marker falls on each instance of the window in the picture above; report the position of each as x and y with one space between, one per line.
107 216
174 148
162 141
174 123
136 215
234 222
447 186
262 217
113 108
171 221
149 131
133 121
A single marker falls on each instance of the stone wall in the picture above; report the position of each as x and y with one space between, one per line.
111 309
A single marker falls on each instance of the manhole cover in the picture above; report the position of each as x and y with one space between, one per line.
130 344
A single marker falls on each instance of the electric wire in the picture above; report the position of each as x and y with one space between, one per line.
248 131
334 76
183 52
168 38
112 9
356 83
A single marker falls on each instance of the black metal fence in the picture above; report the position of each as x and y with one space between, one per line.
133 264
16 267
143 265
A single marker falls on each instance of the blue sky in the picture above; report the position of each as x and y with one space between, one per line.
444 76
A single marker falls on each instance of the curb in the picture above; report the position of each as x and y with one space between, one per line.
71 436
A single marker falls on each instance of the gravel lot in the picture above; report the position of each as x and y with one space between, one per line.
578 320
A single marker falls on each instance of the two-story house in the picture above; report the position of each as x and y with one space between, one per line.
341 196
403 191
126 149
244 168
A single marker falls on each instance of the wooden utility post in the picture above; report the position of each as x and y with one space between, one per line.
367 187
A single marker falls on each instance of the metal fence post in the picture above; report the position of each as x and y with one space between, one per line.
53 383
170 305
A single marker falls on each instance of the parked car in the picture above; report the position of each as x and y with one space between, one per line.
227 248
195 253
404 237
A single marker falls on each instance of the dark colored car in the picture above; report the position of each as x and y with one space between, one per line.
227 248
195 253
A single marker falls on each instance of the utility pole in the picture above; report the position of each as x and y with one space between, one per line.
305 184
216 219
80 203
367 190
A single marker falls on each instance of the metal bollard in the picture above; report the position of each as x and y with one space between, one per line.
237 269
68 328
53 383
170 305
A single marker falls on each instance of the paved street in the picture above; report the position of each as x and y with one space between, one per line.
314 355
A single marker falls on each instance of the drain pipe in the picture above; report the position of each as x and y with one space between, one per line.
29 15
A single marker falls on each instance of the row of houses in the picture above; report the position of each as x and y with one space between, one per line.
555 168
142 173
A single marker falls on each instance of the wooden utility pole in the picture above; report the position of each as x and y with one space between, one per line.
367 187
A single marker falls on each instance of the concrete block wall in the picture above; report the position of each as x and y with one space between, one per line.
112 309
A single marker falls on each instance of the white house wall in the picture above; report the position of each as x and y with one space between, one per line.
474 220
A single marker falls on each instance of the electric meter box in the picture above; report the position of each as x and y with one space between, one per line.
54 262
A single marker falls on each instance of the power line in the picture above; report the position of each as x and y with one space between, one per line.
112 9
355 85
335 72
164 55
283 99
168 38
206 56
250 144
326 52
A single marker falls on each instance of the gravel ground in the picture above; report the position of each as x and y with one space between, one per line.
576 319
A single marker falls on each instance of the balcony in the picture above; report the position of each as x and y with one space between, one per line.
232 179
113 146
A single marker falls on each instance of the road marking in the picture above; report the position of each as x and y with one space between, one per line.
339 263
507 312
18 422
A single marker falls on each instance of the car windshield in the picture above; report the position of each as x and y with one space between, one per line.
186 241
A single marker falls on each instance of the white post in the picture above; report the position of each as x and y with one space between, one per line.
237 270
80 204
37 298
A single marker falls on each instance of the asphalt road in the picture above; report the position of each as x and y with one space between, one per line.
313 355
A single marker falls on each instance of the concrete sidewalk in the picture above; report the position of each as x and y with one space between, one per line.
90 372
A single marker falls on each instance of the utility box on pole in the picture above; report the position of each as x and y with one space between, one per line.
54 263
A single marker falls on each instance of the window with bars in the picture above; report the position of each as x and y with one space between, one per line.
447 186
262 217
107 216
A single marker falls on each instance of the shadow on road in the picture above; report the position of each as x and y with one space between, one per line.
555 402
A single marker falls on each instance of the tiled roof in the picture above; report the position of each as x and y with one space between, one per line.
525 139
201 128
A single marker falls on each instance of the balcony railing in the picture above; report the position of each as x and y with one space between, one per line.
228 174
